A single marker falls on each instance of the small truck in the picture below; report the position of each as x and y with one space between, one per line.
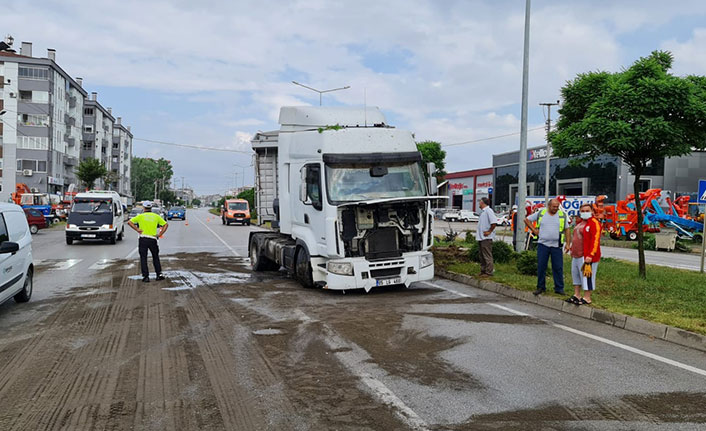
347 198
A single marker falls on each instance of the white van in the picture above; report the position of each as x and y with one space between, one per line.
16 268
97 214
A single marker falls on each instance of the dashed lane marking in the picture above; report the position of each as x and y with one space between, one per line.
622 346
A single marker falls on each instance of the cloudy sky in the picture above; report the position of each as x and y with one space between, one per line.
212 73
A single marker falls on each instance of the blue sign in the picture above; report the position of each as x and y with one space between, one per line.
702 192
490 190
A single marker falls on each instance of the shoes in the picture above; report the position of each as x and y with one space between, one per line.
559 292
573 300
145 279
538 292
160 277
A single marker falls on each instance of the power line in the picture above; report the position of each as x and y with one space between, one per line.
198 147
489 138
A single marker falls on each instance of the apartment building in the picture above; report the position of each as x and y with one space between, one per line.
41 122
48 124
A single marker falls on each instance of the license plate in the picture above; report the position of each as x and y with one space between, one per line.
88 235
388 281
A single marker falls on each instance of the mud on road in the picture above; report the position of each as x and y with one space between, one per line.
217 347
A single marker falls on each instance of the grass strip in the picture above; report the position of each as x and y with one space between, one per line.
671 296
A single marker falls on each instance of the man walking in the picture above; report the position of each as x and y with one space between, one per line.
552 231
585 254
485 233
146 225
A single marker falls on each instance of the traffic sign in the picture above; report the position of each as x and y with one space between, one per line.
490 190
702 192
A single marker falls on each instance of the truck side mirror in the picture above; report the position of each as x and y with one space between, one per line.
302 185
433 184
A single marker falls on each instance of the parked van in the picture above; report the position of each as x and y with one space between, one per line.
96 215
235 211
16 268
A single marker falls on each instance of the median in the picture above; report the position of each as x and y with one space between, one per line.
668 296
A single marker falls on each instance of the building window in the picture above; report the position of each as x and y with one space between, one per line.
32 143
87 145
33 165
88 128
116 145
88 112
34 120
33 73
34 96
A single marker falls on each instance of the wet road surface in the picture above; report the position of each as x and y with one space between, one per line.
216 346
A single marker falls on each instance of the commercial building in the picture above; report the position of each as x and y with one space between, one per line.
121 157
466 188
606 175
43 125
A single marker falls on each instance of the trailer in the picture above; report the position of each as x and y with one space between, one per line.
347 199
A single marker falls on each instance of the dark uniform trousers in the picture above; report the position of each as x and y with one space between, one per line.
150 244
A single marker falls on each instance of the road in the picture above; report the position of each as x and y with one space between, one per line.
217 347
660 258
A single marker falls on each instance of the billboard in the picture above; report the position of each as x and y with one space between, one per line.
570 206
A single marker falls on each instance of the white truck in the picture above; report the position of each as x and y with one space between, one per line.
347 198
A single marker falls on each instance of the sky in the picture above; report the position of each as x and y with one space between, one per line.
213 73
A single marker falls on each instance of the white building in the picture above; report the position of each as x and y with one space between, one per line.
121 157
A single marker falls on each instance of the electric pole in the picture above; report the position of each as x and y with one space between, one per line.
522 169
549 149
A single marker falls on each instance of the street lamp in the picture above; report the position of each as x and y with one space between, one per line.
321 91
522 168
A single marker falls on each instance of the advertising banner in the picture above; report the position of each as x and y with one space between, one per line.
570 206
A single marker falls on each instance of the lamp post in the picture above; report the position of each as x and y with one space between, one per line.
522 171
321 92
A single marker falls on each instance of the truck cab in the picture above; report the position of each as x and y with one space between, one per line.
351 201
96 215
235 211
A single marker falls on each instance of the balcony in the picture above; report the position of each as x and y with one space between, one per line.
69 121
72 102
70 161
89 137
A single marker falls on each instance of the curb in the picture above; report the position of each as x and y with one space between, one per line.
622 321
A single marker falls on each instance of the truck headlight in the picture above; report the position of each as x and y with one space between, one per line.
107 226
71 226
426 260
341 268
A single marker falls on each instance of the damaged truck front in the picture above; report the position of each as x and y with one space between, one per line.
349 204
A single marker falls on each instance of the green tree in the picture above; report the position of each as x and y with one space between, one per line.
641 114
196 202
147 172
432 152
167 197
110 179
89 171
249 195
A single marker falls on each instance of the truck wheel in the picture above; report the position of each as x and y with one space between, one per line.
258 262
113 238
69 241
122 234
302 268
26 292
632 235
33 229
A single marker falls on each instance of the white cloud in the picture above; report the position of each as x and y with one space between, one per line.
689 58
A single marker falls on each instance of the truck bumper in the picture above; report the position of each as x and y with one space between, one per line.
82 234
366 275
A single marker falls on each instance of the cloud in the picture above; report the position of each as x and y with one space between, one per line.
689 56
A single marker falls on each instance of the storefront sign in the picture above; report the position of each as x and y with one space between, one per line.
55 181
539 153
570 206
457 188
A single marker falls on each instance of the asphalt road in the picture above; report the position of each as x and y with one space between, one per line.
660 258
216 346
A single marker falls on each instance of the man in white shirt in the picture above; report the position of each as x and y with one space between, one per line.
485 233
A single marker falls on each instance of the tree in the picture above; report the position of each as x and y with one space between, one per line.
167 197
432 152
196 202
147 172
110 178
641 114
89 171
249 195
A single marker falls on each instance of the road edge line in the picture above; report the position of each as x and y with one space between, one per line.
219 238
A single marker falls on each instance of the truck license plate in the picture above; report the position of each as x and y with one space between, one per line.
88 235
388 281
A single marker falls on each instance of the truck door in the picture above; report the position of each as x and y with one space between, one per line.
312 220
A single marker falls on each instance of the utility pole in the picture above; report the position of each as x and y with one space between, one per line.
522 171
549 149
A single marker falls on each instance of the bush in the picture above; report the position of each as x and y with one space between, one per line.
450 235
470 237
502 252
650 242
527 263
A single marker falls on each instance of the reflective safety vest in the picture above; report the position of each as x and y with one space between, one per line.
562 223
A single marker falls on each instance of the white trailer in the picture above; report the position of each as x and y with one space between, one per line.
347 197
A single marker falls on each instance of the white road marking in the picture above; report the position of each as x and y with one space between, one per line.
622 346
132 253
219 238
358 361
57 264
102 264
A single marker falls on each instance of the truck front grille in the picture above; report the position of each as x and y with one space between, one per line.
385 272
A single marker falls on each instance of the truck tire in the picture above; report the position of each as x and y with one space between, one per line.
33 229
113 238
69 241
632 235
302 268
122 234
258 261
26 292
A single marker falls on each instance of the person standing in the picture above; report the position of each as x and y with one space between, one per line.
485 233
146 224
591 254
513 226
551 230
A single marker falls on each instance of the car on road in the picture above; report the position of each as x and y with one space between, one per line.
16 265
503 219
135 211
451 215
176 212
462 215
467 215
35 219
235 211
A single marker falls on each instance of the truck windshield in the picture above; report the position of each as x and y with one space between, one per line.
354 182
239 206
92 206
